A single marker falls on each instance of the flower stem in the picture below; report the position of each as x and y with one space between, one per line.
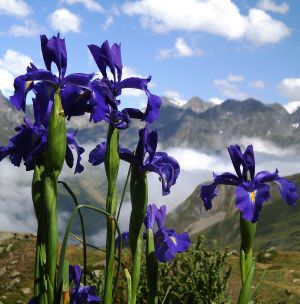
139 201
247 263
152 268
112 162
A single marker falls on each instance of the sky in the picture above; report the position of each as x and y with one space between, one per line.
209 48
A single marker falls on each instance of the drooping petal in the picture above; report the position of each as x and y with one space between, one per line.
168 243
134 83
237 159
78 79
54 50
250 161
99 108
265 177
35 74
22 86
160 216
42 103
249 200
288 190
153 105
97 155
74 101
103 57
207 193
166 167
128 156
71 143
150 216
119 119
226 178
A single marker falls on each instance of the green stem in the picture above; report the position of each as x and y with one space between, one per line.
123 193
65 243
112 162
247 263
139 201
82 228
152 268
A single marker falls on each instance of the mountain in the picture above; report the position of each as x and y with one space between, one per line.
197 105
278 223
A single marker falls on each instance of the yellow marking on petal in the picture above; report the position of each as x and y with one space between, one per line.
28 83
252 196
173 240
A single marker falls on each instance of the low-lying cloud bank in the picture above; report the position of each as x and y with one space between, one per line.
16 210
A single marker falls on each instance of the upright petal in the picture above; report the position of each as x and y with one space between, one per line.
237 159
250 161
103 57
249 200
288 190
207 193
54 50
160 216
99 108
150 216
75 273
116 54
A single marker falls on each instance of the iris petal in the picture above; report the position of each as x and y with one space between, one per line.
207 193
250 202
288 190
150 216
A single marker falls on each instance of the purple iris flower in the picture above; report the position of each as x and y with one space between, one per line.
108 90
167 242
145 158
81 294
251 189
75 88
31 141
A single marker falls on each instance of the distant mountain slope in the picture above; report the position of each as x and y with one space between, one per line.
278 224
197 124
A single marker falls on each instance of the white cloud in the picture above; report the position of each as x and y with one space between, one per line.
108 22
29 29
229 88
290 87
12 64
211 16
292 106
216 100
270 5
263 29
64 21
175 97
257 84
235 78
91 5
180 49
18 8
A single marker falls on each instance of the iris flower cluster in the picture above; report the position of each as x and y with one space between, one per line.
252 189
31 138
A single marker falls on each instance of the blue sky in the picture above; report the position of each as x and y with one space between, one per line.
210 48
